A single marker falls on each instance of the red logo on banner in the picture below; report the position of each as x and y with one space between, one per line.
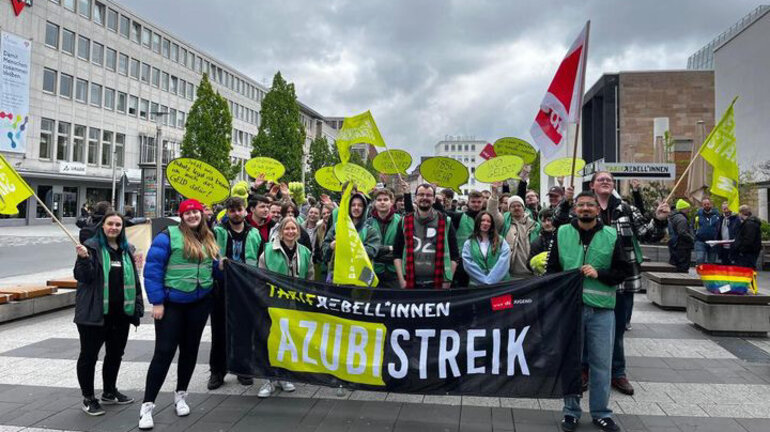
18 5
502 302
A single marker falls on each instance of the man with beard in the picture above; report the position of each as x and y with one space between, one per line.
595 249
385 220
425 248
238 242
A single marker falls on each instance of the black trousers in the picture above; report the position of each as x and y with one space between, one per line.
218 355
680 258
113 335
181 327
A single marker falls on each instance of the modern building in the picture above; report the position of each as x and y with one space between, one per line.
464 149
741 64
99 78
703 59
627 115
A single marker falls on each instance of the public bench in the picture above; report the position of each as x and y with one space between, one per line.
669 290
21 301
728 314
23 292
63 283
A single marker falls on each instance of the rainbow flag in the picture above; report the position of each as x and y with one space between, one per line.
725 279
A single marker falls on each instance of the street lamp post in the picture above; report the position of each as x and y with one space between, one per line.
159 180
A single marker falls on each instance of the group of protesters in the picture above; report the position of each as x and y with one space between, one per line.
425 240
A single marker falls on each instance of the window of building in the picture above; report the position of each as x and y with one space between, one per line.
172 117
156 43
111 59
69 5
109 98
166 48
156 77
125 25
45 192
52 35
446 147
81 90
172 87
473 147
134 68
133 105
70 201
144 108
190 91
145 73
120 145
65 85
49 80
68 42
97 53
112 20
164 118
453 147
180 119
99 10
164 81
136 32
466 147
120 106
84 48
123 64
46 138
96 94
107 149
84 8
153 111
182 88
147 37
93 146
175 52
63 141
78 143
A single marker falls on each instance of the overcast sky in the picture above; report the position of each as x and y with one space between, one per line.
427 69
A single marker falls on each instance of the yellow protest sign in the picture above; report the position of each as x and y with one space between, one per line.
392 162
351 263
499 168
516 147
326 178
198 180
356 174
271 168
445 172
561 167
358 129
13 189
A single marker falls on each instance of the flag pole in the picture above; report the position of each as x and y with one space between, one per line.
55 219
580 104
387 150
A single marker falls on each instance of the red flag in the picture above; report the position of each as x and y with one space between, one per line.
488 152
561 103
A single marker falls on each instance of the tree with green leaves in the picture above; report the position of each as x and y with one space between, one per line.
321 154
207 135
281 134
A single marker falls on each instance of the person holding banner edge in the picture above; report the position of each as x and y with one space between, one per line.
178 280
585 243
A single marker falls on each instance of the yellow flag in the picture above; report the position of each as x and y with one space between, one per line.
358 129
13 189
720 151
351 264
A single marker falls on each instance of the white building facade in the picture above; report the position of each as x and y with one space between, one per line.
98 75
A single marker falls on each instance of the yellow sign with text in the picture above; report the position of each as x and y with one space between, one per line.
313 342
271 168
198 180
499 168
562 167
356 174
516 147
326 178
392 162
444 172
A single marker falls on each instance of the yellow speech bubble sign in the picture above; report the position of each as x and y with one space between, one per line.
392 162
445 172
271 168
516 147
197 180
499 168
561 167
326 178
356 174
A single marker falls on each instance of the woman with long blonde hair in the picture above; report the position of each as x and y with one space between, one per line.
178 278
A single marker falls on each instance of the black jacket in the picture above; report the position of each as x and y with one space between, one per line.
89 296
748 237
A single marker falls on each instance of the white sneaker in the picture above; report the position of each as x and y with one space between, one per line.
145 416
182 409
286 386
266 390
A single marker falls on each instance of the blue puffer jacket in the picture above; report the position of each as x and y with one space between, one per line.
706 225
155 275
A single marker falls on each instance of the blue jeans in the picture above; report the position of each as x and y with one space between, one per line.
598 336
705 254
624 304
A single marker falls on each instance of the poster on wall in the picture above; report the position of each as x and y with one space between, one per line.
15 55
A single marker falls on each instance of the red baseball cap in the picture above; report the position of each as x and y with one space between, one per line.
189 204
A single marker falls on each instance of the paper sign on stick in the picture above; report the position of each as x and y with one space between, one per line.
561 167
517 147
326 178
271 168
384 161
445 172
355 174
197 180
500 168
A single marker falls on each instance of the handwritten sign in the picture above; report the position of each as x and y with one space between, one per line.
271 168
445 172
516 147
326 179
198 180
500 168
561 167
355 174
384 162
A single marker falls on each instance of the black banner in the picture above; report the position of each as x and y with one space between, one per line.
514 339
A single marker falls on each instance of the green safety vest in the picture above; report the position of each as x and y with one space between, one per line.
129 283
572 255
464 230
276 260
486 262
183 274
389 239
447 258
251 246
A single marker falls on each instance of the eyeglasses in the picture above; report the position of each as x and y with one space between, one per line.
603 180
